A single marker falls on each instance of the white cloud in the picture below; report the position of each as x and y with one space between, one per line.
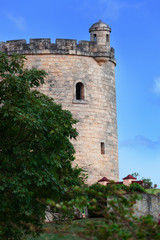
156 87
139 141
18 21
108 9
112 8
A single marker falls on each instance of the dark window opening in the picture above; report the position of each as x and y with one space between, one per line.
107 37
79 91
102 148
94 37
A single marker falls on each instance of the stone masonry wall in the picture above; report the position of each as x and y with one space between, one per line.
148 205
67 63
96 113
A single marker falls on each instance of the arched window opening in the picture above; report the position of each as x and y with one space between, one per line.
79 91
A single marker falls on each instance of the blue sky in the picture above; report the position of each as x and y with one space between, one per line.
136 38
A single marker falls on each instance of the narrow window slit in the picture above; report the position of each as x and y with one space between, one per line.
102 148
107 38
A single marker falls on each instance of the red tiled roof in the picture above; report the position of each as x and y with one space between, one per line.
116 183
104 179
137 182
129 177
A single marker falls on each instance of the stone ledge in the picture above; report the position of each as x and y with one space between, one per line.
79 101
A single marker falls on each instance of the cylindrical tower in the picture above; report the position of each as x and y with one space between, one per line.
81 77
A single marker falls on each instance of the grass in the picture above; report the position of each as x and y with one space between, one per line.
153 191
51 233
51 236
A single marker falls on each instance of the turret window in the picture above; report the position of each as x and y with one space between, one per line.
107 37
79 91
94 37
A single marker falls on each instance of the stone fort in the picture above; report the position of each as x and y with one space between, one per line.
81 77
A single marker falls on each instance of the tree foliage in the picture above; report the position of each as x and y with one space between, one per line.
105 190
36 154
147 183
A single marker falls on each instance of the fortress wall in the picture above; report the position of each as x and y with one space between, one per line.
96 113
148 205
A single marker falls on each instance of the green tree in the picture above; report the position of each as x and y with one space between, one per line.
36 154
147 183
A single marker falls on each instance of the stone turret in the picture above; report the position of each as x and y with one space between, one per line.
100 33
81 77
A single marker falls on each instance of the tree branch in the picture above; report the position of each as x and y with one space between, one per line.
22 140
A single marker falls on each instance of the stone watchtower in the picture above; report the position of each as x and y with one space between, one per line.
81 77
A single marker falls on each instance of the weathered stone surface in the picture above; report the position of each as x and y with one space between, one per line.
62 46
149 204
92 64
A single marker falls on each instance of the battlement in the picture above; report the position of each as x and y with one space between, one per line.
61 46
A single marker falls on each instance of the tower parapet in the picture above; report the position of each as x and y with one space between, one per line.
99 49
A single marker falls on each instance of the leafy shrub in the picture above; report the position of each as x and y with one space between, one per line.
133 188
136 187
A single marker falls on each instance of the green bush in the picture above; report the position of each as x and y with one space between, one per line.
133 188
136 187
